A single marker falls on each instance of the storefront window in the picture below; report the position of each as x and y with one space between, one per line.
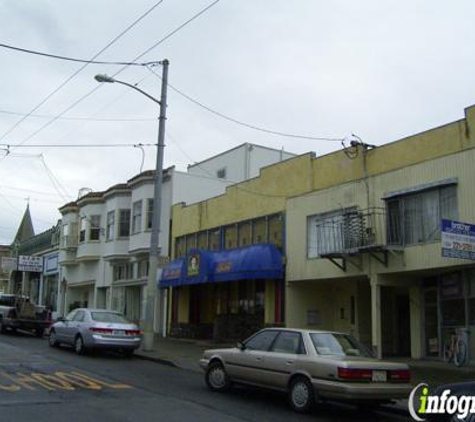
214 240
276 230
259 231
203 240
190 242
230 237
180 247
453 313
244 233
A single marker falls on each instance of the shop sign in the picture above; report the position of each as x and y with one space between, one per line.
51 264
193 268
458 240
9 264
29 263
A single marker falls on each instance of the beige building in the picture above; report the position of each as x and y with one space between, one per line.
364 251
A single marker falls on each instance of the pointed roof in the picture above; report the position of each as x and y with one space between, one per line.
25 229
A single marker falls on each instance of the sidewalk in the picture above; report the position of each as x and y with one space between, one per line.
185 354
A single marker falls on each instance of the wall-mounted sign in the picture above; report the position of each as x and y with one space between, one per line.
9 264
458 240
29 263
51 264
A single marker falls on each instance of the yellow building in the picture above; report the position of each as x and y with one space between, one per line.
364 249
239 240
360 239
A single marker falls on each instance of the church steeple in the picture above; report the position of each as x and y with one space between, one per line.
25 229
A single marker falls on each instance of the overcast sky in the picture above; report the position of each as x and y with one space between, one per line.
380 69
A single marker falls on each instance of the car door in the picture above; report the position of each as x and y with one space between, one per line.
283 358
73 326
63 326
248 364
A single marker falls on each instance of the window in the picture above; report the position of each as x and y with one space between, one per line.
110 225
214 240
262 341
288 342
95 227
142 268
230 237
82 230
119 272
221 173
124 223
136 217
79 317
276 230
416 218
337 345
180 247
149 214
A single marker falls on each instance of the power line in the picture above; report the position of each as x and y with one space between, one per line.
73 76
77 146
83 118
248 125
37 192
187 22
73 59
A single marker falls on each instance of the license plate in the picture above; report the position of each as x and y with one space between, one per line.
379 376
118 333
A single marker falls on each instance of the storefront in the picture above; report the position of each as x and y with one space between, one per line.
448 307
50 282
225 295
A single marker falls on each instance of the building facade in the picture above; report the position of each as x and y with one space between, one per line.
5 252
364 249
105 239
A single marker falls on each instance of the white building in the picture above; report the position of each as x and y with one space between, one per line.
105 237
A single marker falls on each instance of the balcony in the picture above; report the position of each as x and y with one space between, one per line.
351 233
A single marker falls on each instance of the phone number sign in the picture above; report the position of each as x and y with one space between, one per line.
458 240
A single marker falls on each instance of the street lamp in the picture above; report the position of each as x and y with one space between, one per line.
157 208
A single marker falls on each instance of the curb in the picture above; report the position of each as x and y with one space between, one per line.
155 359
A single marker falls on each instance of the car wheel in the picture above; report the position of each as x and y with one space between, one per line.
53 340
79 347
216 377
301 395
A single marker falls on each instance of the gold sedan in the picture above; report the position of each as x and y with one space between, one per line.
309 366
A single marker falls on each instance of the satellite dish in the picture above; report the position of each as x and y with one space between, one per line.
83 192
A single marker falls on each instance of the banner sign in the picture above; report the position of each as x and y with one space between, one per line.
51 264
32 264
9 264
458 240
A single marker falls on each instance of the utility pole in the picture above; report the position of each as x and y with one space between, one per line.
153 271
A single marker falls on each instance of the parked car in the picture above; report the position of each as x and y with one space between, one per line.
86 328
308 366
18 312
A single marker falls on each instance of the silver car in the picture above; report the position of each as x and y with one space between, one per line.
86 328
308 366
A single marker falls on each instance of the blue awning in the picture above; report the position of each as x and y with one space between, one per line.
250 262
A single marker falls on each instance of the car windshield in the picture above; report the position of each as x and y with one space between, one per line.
331 344
109 317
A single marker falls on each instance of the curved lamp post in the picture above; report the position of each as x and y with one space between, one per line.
148 321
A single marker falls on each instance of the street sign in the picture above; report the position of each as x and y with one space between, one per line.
458 240
32 264
9 264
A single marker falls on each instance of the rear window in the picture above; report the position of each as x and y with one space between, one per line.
334 344
109 317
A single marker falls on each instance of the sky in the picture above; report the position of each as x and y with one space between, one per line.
382 70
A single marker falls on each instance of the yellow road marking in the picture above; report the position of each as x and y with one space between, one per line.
65 381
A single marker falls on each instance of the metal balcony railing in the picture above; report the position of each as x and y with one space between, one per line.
351 232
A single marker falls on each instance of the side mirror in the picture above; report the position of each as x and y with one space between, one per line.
241 346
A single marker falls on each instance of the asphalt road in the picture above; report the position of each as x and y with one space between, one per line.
39 383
